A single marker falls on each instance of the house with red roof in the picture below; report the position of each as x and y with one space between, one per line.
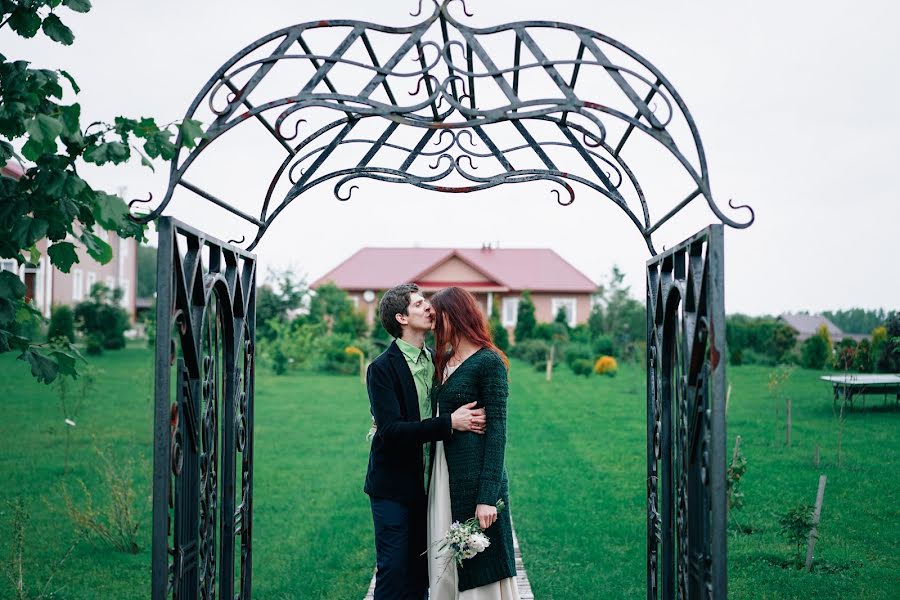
46 286
497 277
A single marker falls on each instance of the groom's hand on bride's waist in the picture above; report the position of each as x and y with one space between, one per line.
469 418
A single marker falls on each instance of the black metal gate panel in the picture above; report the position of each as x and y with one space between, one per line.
686 501
203 420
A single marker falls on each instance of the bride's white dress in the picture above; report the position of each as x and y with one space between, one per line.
442 576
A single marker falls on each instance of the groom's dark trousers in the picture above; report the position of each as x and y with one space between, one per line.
395 480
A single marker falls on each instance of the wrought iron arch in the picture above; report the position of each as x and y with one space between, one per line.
602 96
456 64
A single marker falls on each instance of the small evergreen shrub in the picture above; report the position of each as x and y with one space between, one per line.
582 366
534 352
102 319
814 352
603 346
574 352
62 323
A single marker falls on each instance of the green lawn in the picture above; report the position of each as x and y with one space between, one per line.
576 463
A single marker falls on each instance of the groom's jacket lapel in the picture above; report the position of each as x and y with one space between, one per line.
410 396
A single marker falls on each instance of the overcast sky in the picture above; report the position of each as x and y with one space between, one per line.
792 100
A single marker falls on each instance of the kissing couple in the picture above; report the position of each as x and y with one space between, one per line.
437 450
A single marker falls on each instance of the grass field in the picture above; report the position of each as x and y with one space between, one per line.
576 465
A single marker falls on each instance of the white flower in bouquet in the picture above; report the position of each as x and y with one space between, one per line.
478 541
465 540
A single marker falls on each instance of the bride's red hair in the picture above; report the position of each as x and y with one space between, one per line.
457 316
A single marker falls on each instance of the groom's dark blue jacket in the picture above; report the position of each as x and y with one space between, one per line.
396 469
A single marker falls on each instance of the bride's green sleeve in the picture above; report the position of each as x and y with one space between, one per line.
493 391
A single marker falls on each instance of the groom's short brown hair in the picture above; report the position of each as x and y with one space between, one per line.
395 300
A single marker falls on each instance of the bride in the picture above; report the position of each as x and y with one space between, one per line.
469 475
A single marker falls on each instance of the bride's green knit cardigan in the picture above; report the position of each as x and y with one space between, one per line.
476 462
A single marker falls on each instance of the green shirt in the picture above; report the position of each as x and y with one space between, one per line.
419 362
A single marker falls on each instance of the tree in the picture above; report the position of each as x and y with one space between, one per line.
862 361
759 339
102 320
856 320
51 200
498 332
823 333
595 322
624 318
845 354
889 359
62 323
332 306
814 352
146 271
274 301
562 317
525 322
879 341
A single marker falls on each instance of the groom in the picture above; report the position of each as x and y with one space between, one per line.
399 382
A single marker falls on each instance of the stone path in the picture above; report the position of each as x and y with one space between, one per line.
525 592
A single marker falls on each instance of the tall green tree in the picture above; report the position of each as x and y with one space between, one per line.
856 320
41 129
331 306
275 300
146 271
624 317
525 322
889 359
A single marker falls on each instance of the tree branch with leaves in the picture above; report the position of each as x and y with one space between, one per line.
42 131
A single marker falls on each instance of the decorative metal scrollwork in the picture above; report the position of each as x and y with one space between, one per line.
202 474
686 518
572 99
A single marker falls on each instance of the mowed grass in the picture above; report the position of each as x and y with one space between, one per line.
576 460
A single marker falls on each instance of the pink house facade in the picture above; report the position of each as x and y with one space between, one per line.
47 286
497 277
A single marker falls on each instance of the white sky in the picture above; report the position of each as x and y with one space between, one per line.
790 99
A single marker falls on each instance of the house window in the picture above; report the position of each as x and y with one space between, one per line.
9 265
77 285
354 300
510 311
91 280
567 304
110 283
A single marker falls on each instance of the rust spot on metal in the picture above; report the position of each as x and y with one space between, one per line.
594 105
455 190
324 23
245 115
714 355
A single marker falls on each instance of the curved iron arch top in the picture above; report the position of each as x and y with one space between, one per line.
445 131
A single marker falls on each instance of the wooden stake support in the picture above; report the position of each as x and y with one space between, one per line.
813 533
550 362
737 447
787 439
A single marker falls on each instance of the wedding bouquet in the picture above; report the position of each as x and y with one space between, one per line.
465 540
